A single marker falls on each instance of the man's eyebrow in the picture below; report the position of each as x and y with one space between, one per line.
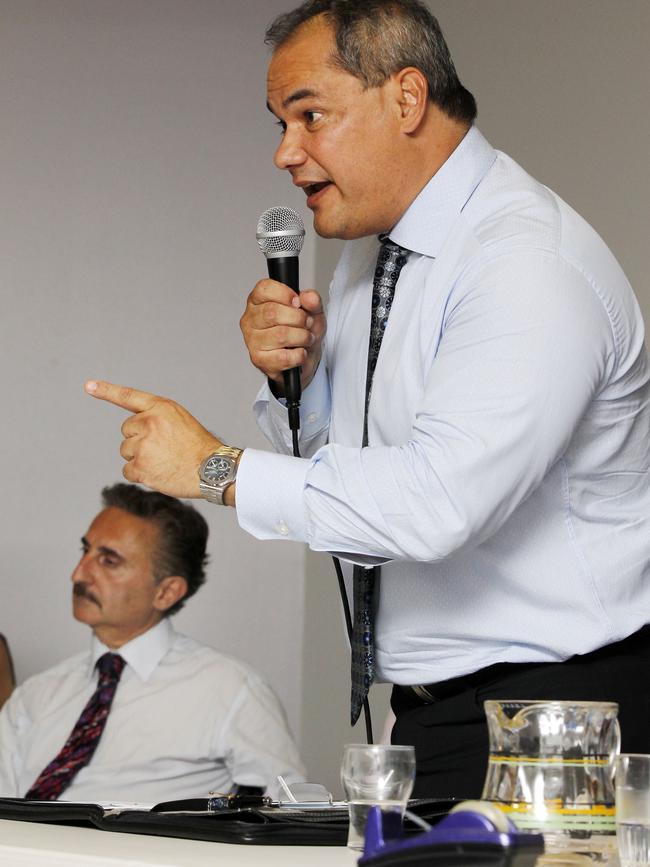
103 549
296 96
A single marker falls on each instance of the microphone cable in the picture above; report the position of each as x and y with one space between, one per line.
280 234
344 600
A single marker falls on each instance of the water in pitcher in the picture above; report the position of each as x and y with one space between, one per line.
550 769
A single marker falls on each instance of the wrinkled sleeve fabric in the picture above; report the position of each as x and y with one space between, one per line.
259 510
255 740
526 344
271 416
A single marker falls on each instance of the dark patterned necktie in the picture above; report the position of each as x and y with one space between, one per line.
81 744
390 261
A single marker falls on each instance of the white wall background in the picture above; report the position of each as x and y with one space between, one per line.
135 163
135 158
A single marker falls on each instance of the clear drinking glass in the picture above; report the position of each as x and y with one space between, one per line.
375 774
633 809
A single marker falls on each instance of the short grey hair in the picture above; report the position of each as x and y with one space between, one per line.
377 38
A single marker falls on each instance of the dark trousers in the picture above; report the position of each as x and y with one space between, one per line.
450 733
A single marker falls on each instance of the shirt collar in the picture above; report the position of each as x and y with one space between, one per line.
424 226
142 653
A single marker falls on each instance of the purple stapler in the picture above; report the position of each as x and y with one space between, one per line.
474 834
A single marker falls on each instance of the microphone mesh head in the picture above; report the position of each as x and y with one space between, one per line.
280 232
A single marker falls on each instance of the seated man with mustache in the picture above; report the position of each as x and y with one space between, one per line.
147 714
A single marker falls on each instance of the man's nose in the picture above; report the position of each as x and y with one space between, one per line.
81 570
290 151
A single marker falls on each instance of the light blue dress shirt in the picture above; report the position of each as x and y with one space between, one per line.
507 475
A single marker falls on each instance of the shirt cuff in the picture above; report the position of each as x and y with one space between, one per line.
314 404
270 495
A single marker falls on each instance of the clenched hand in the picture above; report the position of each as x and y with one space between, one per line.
283 330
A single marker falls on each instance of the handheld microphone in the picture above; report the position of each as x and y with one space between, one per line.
280 235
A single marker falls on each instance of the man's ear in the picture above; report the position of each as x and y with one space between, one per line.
169 591
413 95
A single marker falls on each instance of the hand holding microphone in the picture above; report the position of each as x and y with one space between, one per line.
280 233
282 329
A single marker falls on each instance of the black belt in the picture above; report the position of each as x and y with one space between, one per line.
428 693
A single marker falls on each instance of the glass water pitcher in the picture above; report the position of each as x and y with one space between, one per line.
551 767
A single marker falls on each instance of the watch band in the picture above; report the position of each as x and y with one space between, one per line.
227 459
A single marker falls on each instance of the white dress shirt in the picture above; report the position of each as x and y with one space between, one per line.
507 474
185 720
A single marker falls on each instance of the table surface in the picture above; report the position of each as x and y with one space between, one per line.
30 844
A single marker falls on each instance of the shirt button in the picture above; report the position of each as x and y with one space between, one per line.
283 530
311 418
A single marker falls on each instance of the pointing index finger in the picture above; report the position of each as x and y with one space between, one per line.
121 395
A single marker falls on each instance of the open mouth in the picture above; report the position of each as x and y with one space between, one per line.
312 189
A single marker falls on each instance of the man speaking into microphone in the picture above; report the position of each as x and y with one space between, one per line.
475 424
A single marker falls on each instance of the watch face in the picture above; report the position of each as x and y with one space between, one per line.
217 469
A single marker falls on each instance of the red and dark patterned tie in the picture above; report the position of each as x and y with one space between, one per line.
83 739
